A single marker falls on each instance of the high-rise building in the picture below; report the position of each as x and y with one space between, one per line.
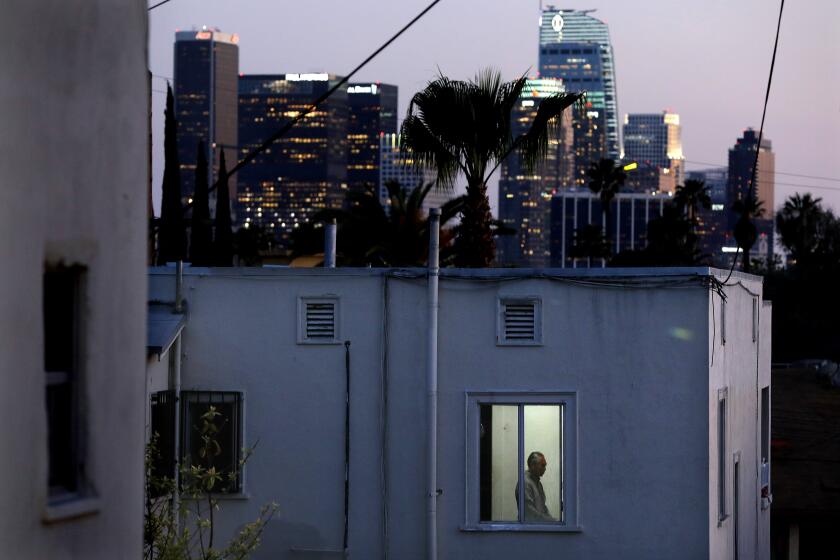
629 216
373 112
652 141
712 227
396 165
305 170
742 157
206 75
575 47
525 195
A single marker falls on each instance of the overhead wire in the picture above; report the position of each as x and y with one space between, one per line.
723 166
285 128
760 130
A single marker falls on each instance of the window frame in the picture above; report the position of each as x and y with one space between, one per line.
73 378
182 409
568 442
722 437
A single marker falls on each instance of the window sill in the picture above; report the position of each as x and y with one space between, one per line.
721 520
234 496
520 528
71 508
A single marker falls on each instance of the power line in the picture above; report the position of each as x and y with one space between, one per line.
279 134
745 213
159 4
837 179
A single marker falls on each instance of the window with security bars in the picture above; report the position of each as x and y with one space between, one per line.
194 404
62 295
228 433
519 322
318 320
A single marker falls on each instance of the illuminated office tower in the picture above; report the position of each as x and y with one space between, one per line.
575 47
712 232
372 113
206 75
741 161
395 165
304 171
525 196
652 141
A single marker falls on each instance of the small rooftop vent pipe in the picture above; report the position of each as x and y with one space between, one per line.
329 244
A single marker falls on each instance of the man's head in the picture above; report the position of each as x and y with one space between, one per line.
536 464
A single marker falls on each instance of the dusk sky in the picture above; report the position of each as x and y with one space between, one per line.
707 61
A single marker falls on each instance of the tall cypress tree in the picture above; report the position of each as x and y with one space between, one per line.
172 239
223 242
201 230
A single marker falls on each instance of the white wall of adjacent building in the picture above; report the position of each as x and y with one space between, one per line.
73 102
632 366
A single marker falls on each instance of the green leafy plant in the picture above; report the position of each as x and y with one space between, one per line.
180 525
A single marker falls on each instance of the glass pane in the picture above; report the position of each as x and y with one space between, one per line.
543 462
498 465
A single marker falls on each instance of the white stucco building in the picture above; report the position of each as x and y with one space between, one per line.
646 391
74 103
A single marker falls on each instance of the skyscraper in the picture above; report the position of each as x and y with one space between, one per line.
712 230
741 161
206 75
652 140
305 170
525 195
372 113
575 47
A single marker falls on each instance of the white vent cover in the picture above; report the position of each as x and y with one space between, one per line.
318 320
520 322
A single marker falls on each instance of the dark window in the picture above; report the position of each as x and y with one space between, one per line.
163 407
228 423
62 288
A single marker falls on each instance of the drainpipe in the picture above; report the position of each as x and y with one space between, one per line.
329 244
432 384
176 391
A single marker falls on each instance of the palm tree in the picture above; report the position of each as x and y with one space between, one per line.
746 232
465 127
692 196
800 223
606 178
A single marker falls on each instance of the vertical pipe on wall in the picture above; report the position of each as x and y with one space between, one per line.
329 244
431 384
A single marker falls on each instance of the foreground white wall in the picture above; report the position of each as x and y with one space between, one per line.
637 360
73 103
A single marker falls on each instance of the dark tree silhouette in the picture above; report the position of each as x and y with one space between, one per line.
691 197
589 243
371 235
223 240
805 229
606 177
465 127
746 232
201 231
172 236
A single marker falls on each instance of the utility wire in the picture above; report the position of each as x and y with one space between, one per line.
280 133
724 166
760 131
158 4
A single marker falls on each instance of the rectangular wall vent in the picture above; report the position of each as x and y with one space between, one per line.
318 321
519 322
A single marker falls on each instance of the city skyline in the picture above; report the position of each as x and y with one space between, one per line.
697 61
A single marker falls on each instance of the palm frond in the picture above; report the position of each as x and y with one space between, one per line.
533 144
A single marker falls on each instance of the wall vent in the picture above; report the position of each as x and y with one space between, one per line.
520 322
318 320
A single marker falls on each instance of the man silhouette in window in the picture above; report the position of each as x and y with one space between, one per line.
535 508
